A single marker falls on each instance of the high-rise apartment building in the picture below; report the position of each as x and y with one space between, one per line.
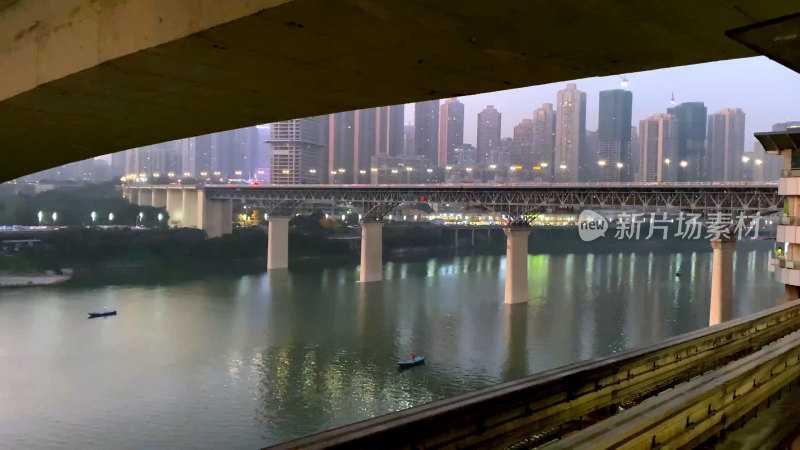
659 148
488 134
544 142
725 159
342 137
692 117
408 140
613 137
570 132
451 130
426 130
354 137
636 154
297 148
523 145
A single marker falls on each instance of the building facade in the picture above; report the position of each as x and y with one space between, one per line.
489 121
297 149
613 137
451 130
659 148
692 117
426 130
570 133
543 142
725 158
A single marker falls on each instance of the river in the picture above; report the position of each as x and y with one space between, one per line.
248 361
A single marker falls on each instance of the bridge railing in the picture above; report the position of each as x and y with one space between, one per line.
701 408
542 407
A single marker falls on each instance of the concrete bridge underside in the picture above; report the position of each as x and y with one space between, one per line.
80 78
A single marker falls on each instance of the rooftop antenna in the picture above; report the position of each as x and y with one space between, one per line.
624 82
672 100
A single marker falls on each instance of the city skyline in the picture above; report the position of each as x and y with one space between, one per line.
748 83
578 154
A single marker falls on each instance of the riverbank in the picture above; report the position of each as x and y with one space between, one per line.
154 256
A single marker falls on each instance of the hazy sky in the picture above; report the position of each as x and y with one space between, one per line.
767 92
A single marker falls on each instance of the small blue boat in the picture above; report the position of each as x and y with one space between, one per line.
415 360
102 314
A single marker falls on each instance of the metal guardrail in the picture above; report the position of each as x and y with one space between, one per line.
540 406
696 411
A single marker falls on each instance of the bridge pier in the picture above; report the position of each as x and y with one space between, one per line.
159 198
214 216
175 205
145 197
371 251
722 281
133 196
278 243
516 263
189 208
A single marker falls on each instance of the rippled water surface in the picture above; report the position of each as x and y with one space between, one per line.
255 360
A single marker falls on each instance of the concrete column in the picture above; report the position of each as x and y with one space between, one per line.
175 205
722 281
278 245
189 208
145 197
133 196
371 251
214 216
516 264
126 192
159 198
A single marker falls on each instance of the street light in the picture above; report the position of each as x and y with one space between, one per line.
141 217
55 217
601 163
448 167
111 217
684 164
93 215
758 162
312 170
562 167
468 169
619 165
362 172
544 164
493 166
160 217
745 159
429 170
667 161
40 215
